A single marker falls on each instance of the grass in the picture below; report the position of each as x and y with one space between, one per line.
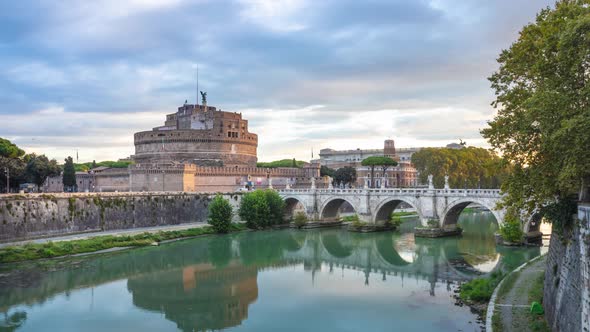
537 322
403 214
33 251
480 290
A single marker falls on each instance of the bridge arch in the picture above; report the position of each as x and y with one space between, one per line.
388 206
451 214
533 224
331 208
292 206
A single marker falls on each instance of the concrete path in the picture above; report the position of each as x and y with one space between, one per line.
133 231
513 301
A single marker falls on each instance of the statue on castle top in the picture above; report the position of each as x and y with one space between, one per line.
203 97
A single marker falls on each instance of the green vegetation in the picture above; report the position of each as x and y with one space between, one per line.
69 175
511 230
537 322
468 167
327 171
83 167
543 122
262 208
351 218
38 168
33 251
281 163
357 223
395 220
378 161
220 214
23 167
403 214
345 175
300 219
480 289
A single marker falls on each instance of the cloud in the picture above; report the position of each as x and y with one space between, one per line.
333 73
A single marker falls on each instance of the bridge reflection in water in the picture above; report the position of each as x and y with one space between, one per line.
210 283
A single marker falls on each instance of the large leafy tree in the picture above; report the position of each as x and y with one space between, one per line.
378 161
543 102
345 175
468 167
38 168
11 158
69 175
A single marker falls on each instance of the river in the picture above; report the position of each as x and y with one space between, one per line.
287 280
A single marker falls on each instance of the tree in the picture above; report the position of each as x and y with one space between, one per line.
327 171
542 97
11 159
375 161
261 208
220 214
38 168
9 149
69 175
345 175
468 167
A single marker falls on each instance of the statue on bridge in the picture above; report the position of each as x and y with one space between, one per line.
430 184
447 182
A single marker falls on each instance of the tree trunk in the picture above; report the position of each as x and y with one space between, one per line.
584 195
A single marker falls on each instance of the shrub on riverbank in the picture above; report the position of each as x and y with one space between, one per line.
32 251
511 230
300 219
351 218
480 289
220 214
262 208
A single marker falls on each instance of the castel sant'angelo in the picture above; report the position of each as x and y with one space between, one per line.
199 148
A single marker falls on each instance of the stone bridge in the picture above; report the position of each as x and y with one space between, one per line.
376 205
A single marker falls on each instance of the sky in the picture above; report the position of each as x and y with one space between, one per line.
307 74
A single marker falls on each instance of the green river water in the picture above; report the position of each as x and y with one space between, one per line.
287 280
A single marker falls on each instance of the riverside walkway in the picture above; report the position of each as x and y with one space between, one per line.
515 295
133 231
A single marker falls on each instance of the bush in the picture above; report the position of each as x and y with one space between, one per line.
357 223
480 289
261 208
352 218
300 219
433 223
511 230
395 221
220 214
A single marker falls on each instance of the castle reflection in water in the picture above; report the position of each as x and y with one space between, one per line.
209 283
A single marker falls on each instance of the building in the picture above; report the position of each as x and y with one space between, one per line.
200 135
198 149
403 175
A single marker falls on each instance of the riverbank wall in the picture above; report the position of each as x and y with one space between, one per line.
566 297
41 215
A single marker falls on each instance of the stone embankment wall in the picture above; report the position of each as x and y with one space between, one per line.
567 277
42 215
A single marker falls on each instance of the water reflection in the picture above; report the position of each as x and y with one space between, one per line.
213 283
